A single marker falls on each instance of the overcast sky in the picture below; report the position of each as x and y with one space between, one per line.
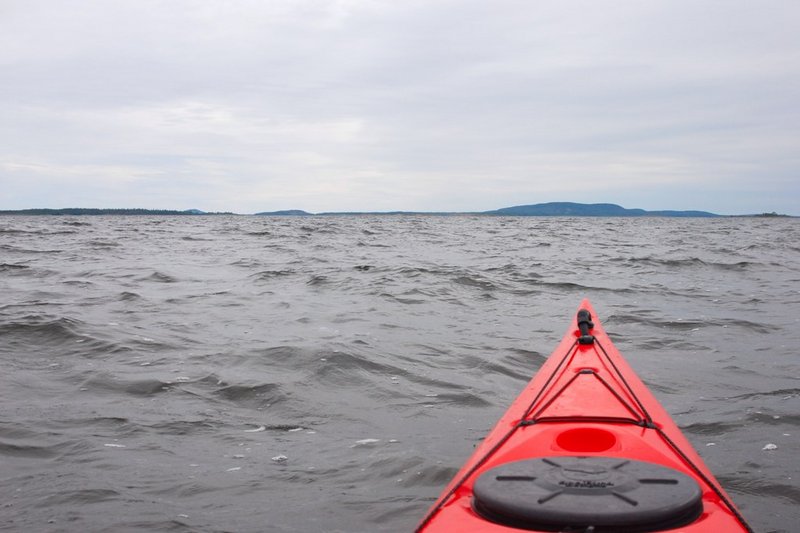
256 105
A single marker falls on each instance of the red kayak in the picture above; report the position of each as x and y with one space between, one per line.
584 448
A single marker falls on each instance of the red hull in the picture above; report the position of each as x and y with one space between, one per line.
585 401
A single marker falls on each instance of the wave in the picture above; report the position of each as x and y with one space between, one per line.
475 281
759 487
79 497
782 393
401 300
568 287
268 275
42 330
351 369
83 284
361 243
689 324
255 396
14 231
688 262
101 244
710 429
108 383
182 427
160 277
461 399
128 296
19 250
34 451
12 267
56 337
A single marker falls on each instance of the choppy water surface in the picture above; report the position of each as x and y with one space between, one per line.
331 374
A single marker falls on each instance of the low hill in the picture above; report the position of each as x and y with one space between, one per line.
80 211
285 213
570 209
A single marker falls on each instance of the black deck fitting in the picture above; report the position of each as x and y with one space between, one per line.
585 324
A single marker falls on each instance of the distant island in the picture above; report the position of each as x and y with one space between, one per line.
550 209
286 213
569 209
771 215
80 211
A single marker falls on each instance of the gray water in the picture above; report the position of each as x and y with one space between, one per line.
332 373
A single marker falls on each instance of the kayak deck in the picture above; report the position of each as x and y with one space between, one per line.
556 459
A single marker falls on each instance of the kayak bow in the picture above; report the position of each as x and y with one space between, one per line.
584 447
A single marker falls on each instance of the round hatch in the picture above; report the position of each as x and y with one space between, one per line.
579 493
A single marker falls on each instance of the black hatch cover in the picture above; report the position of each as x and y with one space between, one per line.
599 494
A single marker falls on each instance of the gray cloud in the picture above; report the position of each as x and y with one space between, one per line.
249 105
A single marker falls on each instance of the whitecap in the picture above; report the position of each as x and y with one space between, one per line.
365 442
